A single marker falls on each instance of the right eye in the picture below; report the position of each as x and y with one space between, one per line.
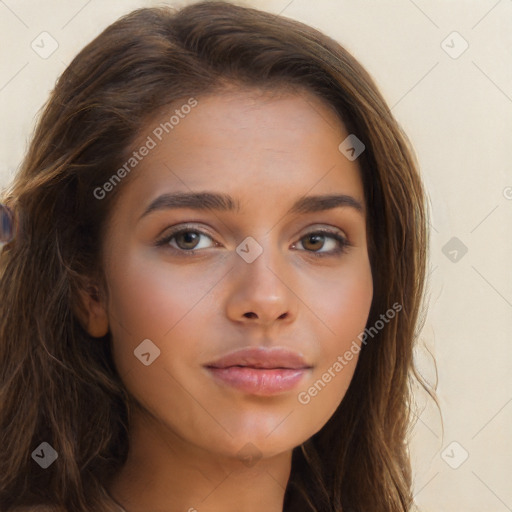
186 240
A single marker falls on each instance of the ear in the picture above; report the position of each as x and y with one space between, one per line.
93 312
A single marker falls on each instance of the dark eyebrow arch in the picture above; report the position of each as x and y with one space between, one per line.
225 203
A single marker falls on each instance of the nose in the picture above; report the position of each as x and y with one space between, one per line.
262 291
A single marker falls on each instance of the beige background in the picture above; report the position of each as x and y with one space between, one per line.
458 113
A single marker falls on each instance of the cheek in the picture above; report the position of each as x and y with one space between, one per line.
165 303
341 302
343 306
349 304
152 299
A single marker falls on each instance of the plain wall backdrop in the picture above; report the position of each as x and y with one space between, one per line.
445 71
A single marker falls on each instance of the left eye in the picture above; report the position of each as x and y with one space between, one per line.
338 242
186 241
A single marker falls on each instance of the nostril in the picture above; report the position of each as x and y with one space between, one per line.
250 315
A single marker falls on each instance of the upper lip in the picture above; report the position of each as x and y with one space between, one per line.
261 357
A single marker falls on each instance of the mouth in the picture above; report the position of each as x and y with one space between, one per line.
260 371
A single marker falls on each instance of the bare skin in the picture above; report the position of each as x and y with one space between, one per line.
195 442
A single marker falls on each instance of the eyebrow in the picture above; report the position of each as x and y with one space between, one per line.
226 203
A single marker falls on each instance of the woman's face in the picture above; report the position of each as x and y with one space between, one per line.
260 277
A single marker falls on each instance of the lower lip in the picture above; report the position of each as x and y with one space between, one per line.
263 382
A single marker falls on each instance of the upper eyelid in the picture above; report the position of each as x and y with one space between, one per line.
186 227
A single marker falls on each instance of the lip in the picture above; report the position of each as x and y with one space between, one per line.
261 357
260 371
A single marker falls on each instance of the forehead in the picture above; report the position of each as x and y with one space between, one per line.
256 146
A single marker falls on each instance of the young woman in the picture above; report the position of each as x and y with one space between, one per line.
212 277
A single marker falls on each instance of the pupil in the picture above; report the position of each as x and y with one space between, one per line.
189 237
315 238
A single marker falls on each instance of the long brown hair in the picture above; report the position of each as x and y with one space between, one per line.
59 385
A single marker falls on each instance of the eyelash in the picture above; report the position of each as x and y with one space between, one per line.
343 247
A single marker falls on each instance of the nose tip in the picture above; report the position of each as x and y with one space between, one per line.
251 314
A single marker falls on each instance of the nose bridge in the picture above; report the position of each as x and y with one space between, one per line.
261 291
261 259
